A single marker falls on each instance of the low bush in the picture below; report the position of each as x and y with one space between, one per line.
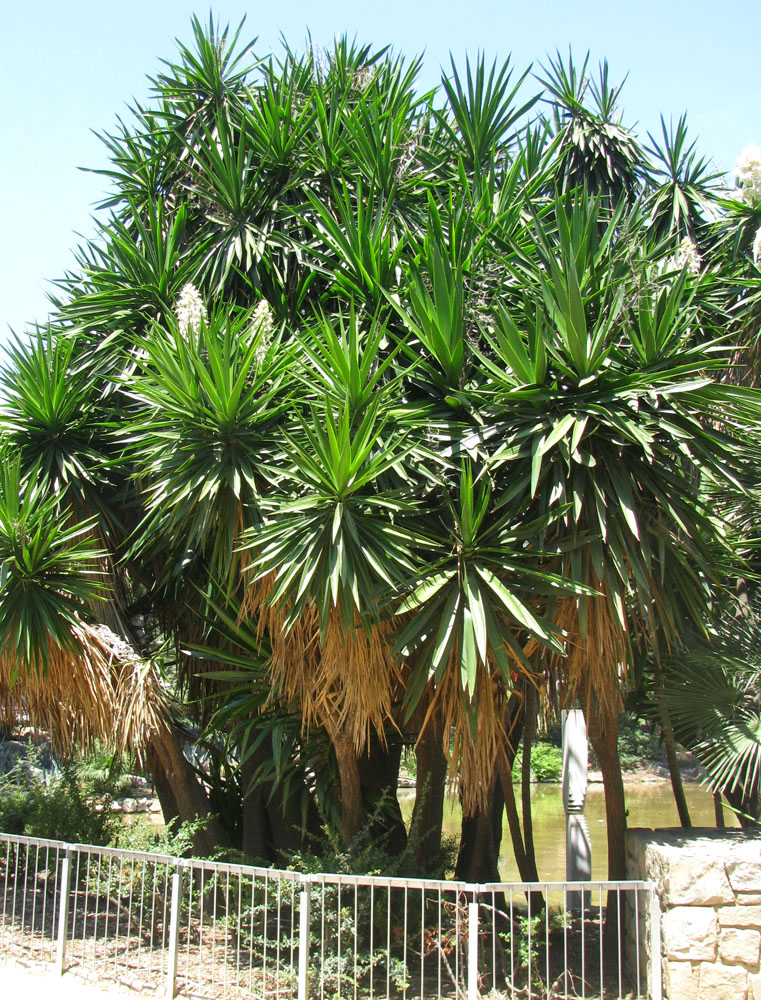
59 808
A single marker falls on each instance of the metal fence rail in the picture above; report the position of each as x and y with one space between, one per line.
208 929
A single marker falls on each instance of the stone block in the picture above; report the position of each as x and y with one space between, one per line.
681 980
748 898
745 876
723 982
697 882
739 946
691 933
740 916
754 986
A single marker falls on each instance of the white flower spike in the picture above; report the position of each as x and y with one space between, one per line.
748 173
687 257
262 325
189 310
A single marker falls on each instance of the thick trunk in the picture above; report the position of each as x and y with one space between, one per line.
602 727
670 744
183 791
255 832
428 813
478 857
273 827
379 777
353 815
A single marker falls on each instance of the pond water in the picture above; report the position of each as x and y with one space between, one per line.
649 804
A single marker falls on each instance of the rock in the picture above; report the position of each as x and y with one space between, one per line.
723 982
115 807
129 805
754 986
739 946
740 916
691 933
701 881
745 876
155 806
681 981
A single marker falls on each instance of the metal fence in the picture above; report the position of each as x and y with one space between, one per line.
172 926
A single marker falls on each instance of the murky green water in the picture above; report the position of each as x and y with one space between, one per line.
648 804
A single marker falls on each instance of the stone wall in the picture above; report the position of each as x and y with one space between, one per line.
709 890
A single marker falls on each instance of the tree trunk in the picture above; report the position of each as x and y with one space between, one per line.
255 832
669 742
353 815
478 857
530 708
602 727
379 777
718 810
178 785
514 821
428 812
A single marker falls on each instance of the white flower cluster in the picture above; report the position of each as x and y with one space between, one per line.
687 257
748 173
262 325
189 310
757 248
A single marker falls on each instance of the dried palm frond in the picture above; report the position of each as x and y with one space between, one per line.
97 689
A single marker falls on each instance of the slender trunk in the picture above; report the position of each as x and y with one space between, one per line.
526 862
529 729
428 812
184 792
514 721
670 744
353 815
745 806
602 727
514 821
718 810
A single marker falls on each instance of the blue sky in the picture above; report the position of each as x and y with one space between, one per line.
68 69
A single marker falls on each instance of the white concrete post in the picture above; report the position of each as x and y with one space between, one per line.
473 951
174 934
656 959
303 983
578 848
64 889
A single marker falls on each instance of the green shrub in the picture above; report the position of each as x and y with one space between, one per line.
58 809
546 762
69 804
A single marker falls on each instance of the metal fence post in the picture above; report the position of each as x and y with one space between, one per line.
63 911
174 932
656 959
473 950
303 985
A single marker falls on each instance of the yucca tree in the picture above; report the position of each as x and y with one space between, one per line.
608 382
412 387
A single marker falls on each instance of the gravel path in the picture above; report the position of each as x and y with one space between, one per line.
39 984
